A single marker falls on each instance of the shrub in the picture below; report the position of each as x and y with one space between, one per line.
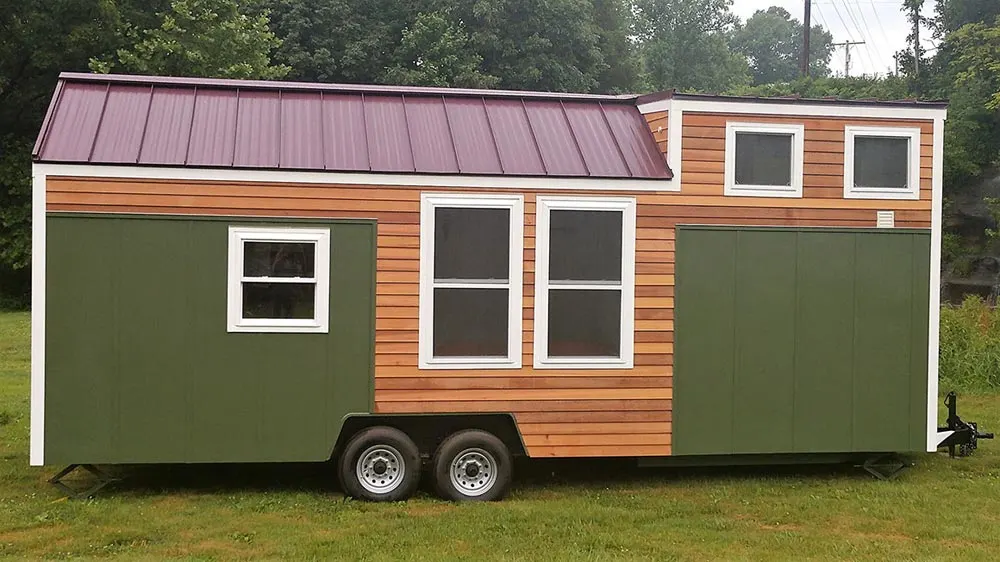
970 347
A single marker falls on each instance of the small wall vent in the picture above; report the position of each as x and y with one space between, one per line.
885 219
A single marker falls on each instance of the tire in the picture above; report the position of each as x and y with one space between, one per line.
380 464
472 465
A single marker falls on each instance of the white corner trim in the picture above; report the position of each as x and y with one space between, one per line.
543 207
801 109
912 191
515 287
933 330
36 456
675 140
352 178
320 322
797 131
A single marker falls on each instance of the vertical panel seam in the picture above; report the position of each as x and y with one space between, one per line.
145 125
795 314
735 351
854 341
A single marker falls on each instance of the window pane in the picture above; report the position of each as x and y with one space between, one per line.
881 161
470 322
279 300
585 245
584 323
471 243
763 159
279 259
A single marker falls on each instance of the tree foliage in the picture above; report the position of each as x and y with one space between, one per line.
684 44
199 38
435 52
772 42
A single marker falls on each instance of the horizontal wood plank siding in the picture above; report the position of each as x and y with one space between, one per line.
560 412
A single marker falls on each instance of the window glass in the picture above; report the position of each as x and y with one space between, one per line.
279 259
585 245
279 300
584 323
471 243
470 322
763 159
881 161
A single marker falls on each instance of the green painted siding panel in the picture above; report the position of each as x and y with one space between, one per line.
765 332
711 284
827 331
824 343
140 367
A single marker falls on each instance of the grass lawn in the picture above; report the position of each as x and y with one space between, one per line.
942 509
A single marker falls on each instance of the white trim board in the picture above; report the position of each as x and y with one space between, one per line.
934 327
36 456
351 178
802 109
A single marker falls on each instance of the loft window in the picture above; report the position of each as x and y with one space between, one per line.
471 260
279 279
764 159
584 282
881 162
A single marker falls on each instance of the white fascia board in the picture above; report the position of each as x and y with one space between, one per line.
797 109
355 178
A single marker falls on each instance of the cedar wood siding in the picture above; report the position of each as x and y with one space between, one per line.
559 412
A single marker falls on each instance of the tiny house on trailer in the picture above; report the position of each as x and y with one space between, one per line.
240 271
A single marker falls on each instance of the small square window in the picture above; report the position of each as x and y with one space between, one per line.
881 162
278 279
764 160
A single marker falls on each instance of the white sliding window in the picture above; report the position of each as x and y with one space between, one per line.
584 282
471 259
279 279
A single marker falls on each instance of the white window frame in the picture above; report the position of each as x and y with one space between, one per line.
544 205
912 191
797 130
429 202
238 237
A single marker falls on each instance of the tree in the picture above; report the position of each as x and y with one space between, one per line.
953 14
977 50
772 42
435 52
622 73
200 38
683 44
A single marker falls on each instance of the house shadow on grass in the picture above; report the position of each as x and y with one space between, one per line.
529 474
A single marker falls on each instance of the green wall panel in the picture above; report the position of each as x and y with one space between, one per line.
800 340
140 367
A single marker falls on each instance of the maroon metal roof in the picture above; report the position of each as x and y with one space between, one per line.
109 119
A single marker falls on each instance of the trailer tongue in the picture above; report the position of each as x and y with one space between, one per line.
959 433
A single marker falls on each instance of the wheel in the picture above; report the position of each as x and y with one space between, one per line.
472 465
380 464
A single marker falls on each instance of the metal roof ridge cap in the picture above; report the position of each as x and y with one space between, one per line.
339 87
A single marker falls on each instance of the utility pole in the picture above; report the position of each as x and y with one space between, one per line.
847 53
806 28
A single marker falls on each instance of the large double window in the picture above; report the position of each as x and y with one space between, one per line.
471 256
584 282
279 279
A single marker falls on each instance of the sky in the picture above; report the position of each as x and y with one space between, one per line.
879 23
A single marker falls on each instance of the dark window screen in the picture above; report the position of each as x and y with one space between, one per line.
881 161
471 243
585 245
763 159
470 322
279 259
584 323
279 300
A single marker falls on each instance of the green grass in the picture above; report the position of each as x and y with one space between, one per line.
942 509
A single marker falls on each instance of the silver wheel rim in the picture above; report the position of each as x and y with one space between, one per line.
380 469
473 472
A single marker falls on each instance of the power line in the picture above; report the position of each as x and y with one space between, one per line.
847 30
878 20
847 53
865 37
